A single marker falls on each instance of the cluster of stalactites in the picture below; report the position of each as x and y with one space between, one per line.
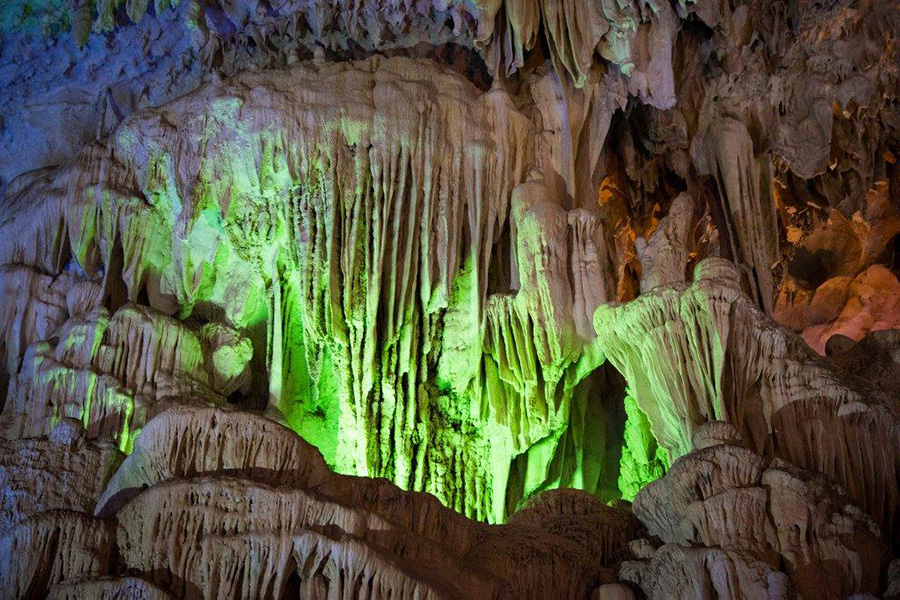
636 37
359 236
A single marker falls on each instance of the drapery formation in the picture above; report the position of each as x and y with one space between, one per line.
416 293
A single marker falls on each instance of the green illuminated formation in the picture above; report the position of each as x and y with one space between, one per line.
670 345
699 352
451 298
417 301
98 375
643 460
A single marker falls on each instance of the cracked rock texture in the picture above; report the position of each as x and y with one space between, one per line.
449 298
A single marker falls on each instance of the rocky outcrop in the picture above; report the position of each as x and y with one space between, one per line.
771 530
703 352
256 512
244 520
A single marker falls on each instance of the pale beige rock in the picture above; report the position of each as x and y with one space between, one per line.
213 440
249 535
795 521
228 533
724 148
340 534
62 471
108 588
52 547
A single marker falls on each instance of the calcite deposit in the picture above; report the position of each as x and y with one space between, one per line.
449 298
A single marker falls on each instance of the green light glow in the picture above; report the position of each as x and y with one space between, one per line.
310 396
354 248
643 460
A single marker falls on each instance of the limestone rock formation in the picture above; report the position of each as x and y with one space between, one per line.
449 298
374 306
113 373
63 471
703 352
256 512
776 529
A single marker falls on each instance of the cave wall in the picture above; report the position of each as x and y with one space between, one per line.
481 250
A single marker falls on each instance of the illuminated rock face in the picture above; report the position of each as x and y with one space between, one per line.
703 352
449 299
354 239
